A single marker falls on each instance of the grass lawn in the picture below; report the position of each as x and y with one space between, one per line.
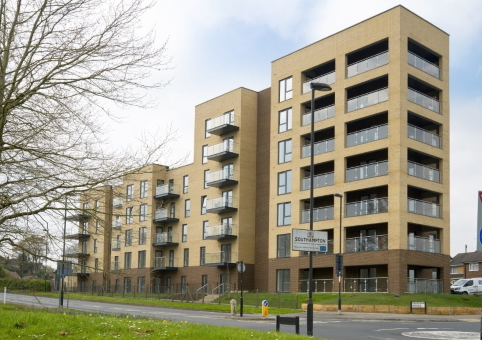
20 322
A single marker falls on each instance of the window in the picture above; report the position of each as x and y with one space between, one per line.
143 212
116 263
85 206
171 258
128 238
96 206
284 213
117 243
95 246
283 280
142 235
127 285
202 256
85 227
96 265
285 120
228 198
141 284
97 226
118 222
203 204
205 154
183 284
205 229
144 189
129 215
283 247
454 270
127 260
284 182
184 233
141 259
185 184
187 208
284 151
228 144
186 257
130 192
285 89
473 267
206 127
227 225
206 178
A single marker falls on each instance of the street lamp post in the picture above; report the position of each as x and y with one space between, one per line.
61 285
309 309
339 262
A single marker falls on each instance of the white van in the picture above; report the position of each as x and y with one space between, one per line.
467 286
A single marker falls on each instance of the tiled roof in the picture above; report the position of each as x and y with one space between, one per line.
462 258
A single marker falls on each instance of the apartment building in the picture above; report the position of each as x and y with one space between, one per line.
381 144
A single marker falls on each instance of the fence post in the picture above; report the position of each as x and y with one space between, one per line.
4 295
257 301
279 300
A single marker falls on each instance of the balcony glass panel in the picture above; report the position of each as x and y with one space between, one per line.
368 99
165 213
220 175
166 238
320 114
328 78
367 135
319 214
424 244
322 180
425 286
165 262
117 201
368 207
220 257
423 100
367 243
364 285
367 171
319 286
222 229
324 146
225 119
422 171
220 202
167 189
424 208
424 65
226 146
116 245
423 136
367 64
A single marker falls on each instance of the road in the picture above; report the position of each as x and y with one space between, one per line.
326 325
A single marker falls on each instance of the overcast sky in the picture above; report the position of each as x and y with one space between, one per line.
218 46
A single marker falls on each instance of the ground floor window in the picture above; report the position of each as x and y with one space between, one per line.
141 284
283 280
127 285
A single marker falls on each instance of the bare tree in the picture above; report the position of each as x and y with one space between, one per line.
62 65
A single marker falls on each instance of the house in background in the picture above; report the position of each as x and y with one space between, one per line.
466 266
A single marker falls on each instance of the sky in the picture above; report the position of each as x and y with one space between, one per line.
217 46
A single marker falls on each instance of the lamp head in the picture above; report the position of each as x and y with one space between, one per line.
320 86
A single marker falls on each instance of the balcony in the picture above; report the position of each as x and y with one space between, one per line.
424 65
367 207
116 245
320 114
319 214
322 147
81 236
367 135
220 259
116 225
367 171
423 100
117 202
81 216
223 124
319 286
116 266
424 208
323 73
221 232
423 171
222 178
366 243
367 64
424 136
83 272
327 78
424 244
167 191
223 151
76 251
367 99
166 239
221 205
165 215
165 264
425 286
366 285
322 180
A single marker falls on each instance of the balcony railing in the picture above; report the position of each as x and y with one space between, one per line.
222 230
319 286
320 114
423 171
425 244
367 64
167 191
424 65
166 213
116 245
368 135
327 78
222 124
222 147
368 207
425 286
221 176
117 202
423 136
324 146
421 99
424 208
366 243
74 251
220 258
367 285
319 181
367 171
368 99
116 224
319 214
220 203
164 262
168 237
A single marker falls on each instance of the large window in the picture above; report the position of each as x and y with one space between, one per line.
143 213
142 235
284 151
285 89
285 120
205 227
184 233
185 184
141 259
284 213
283 245
127 260
141 284
203 204
129 215
130 192
284 182
128 238
474 267
186 257
127 284
202 255
144 189
283 280
187 208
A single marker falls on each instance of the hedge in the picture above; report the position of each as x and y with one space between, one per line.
19 284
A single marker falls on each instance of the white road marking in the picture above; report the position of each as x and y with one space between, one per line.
388 329
443 335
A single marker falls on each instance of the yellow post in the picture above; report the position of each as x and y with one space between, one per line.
264 308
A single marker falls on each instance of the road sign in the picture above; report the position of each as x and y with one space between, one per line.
309 240
63 276
241 267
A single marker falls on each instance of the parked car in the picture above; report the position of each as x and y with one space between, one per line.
467 286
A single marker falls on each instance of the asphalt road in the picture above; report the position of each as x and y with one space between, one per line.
325 325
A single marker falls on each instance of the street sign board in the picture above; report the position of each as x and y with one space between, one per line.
241 267
309 240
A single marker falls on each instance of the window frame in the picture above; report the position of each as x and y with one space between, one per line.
186 257
128 260
143 213
129 192
285 120
128 238
281 282
285 156
204 159
143 189
473 267
185 184
129 215
142 235
184 233
203 204
285 89
187 208
283 245
286 187
141 259
283 205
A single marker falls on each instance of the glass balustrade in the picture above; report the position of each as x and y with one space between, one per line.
422 171
424 65
366 243
368 99
328 78
319 181
367 135
367 171
324 146
423 100
225 119
425 244
424 208
319 214
320 114
367 64
367 207
423 136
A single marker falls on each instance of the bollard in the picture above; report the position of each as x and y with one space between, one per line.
264 308
4 295
233 307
